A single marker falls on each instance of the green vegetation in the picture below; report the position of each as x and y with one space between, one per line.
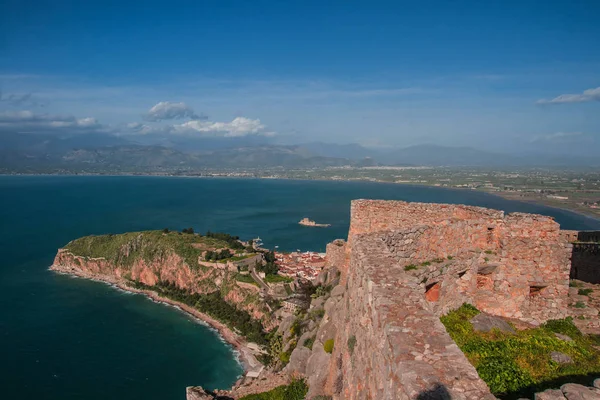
277 279
217 255
245 279
288 289
296 390
579 304
574 284
321 290
351 344
309 342
426 264
328 346
489 252
410 267
269 267
124 249
520 363
232 241
284 357
450 257
585 292
438 260
215 306
189 231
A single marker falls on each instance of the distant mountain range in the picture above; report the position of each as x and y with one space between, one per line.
38 152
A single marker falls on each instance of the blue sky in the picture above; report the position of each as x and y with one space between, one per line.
505 75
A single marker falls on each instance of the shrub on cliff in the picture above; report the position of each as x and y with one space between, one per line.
519 364
296 390
328 346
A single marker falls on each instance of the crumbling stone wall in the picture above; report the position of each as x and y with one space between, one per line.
514 265
392 346
336 254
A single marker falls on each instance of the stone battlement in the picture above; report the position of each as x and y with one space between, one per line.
514 265
405 264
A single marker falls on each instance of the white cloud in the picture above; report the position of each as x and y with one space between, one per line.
167 110
586 96
240 126
28 121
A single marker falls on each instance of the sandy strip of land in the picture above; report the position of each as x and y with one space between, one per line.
246 355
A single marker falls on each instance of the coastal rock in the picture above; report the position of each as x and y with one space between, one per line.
197 393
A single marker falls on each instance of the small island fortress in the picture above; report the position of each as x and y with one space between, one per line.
402 306
309 222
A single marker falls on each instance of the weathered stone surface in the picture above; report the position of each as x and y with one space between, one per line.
285 325
389 342
550 394
560 358
485 323
514 265
573 391
597 383
317 370
337 291
400 348
298 360
563 337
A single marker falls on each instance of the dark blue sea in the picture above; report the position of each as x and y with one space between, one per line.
65 338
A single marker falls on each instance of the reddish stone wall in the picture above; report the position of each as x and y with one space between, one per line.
389 344
336 254
383 215
514 265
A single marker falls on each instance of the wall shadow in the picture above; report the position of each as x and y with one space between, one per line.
438 392
585 257
528 392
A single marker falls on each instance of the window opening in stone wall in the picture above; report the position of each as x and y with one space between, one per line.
535 290
432 292
490 235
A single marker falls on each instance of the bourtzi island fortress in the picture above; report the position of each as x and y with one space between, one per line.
403 266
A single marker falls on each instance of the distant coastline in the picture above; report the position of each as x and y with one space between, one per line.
590 215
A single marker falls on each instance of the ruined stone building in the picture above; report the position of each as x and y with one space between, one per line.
404 265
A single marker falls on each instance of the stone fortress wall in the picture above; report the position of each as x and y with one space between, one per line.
514 265
404 265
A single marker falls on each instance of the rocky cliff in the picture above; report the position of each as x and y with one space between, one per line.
154 257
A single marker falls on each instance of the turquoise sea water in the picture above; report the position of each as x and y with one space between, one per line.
67 338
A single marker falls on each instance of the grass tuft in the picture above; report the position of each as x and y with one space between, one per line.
519 363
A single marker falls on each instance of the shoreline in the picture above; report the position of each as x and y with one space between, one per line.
243 354
527 201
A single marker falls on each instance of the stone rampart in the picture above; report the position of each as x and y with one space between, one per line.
392 345
336 254
514 265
